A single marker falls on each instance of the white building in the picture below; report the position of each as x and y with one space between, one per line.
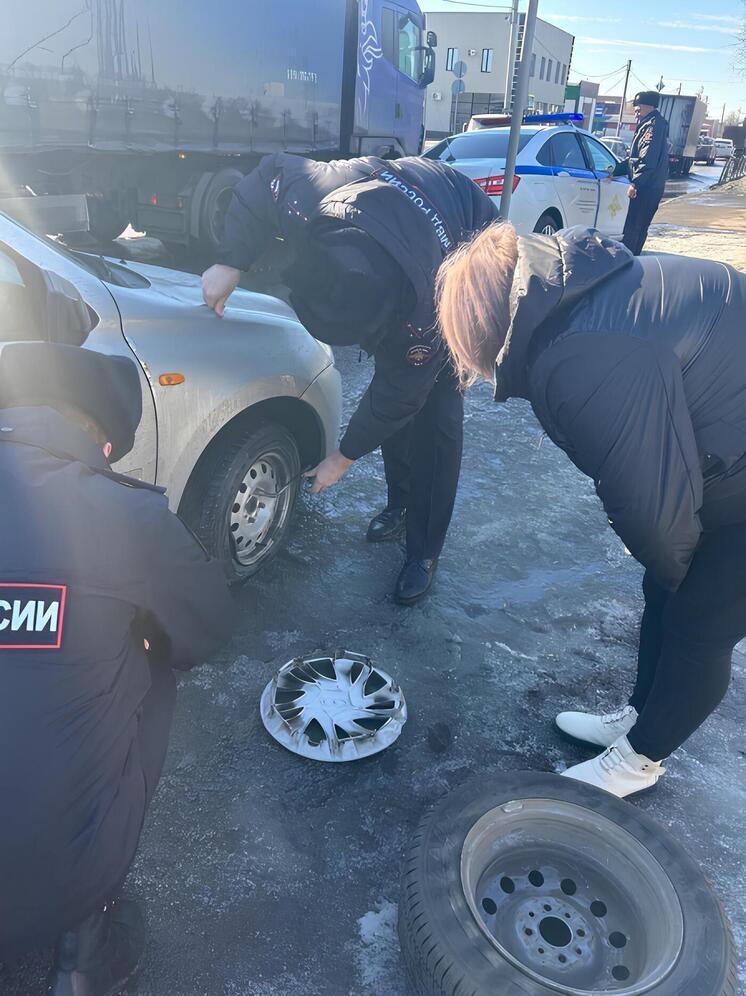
482 42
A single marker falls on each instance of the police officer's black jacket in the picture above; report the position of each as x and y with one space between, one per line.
416 209
647 165
88 569
636 367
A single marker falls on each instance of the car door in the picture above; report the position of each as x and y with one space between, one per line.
576 186
613 200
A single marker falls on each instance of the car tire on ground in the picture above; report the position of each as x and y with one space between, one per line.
474 922
546 225
229 504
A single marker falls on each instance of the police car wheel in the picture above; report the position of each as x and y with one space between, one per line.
528 882
242 500
546 225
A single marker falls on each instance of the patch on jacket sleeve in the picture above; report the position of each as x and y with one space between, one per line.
274 186
31 616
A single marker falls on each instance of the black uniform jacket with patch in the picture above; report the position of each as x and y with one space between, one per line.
416 209
89 568
647 165
636 367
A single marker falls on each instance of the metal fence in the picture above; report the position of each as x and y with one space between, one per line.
734 168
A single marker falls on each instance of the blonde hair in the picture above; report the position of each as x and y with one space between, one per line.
473 292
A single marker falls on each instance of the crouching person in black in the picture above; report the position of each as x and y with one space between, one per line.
636 368
103 592
367 238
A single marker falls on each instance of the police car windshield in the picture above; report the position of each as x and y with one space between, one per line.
483 144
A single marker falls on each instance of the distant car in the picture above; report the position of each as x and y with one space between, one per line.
705 150
561 176
617 146
233 408
723 148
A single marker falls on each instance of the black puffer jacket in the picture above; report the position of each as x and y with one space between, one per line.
636 367
417 210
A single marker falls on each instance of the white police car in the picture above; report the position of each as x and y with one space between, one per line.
560 178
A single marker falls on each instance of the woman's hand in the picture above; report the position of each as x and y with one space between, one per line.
218 283
329 471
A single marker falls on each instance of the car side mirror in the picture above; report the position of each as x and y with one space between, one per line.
66 317
432 39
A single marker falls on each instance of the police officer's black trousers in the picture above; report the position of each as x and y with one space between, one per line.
423 462
641 212
686 643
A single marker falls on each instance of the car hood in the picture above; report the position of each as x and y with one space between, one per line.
186 289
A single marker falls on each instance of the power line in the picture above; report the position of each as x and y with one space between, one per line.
605 76
468 3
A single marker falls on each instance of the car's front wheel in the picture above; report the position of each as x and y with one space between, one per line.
546 225
241 501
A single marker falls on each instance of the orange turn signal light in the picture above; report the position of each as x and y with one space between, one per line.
171 379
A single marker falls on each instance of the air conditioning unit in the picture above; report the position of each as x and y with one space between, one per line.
472 51
437 95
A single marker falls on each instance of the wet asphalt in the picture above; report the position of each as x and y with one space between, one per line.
267 875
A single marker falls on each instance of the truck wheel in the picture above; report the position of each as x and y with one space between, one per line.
216 201
530 883
241 502
546 225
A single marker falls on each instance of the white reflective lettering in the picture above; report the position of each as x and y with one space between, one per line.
4 607
23 614
47 616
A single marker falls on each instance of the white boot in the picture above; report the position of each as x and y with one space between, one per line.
618 770
594 729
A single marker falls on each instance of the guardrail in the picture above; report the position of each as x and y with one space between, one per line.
734 168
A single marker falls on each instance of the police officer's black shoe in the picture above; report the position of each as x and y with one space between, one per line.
387 525
415 581
98 957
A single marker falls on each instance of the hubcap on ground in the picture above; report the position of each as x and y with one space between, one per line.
572 899
260 508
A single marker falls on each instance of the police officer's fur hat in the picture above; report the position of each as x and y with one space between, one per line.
649 97
105 388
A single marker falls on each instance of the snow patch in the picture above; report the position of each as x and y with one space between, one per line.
376 958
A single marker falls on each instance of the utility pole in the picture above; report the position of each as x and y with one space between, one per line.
679 90
519 106
722 122
624 97
512 48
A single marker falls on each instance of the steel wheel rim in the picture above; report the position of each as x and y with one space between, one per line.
571 899
259 508
548 229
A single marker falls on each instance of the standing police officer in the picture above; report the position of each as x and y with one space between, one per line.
368 237
103 592
647 168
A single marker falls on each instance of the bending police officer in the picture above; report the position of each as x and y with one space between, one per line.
367 237
647 169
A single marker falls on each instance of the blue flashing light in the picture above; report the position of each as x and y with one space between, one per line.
562 117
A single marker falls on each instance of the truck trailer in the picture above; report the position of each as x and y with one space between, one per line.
685 116
148 112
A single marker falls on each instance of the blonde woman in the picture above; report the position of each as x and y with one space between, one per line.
636 368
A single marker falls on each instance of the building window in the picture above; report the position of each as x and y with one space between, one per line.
543 67
556 73
533 65
486 60
451 58
564 73
549 71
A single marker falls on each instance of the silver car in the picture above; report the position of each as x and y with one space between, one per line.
233 409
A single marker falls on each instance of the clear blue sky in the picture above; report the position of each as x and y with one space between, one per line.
691 42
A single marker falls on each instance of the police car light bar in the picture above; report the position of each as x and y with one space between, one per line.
564 116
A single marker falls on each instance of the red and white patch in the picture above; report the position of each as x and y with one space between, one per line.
32 616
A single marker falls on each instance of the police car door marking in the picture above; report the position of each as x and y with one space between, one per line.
26 609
